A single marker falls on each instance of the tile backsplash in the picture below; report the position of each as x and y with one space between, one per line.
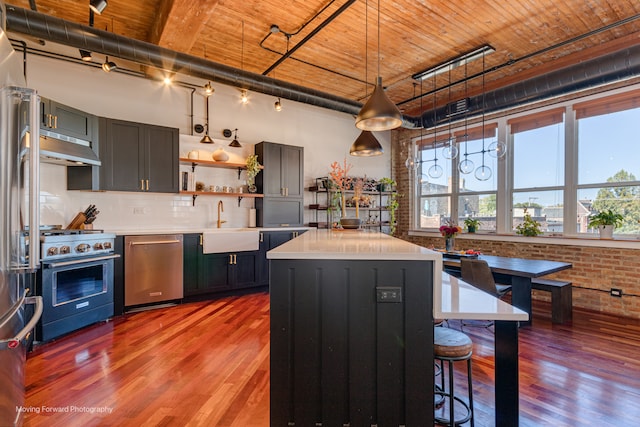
126 211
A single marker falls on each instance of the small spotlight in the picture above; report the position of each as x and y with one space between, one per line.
98 5
244 96
208 89
167 80
108 65
278 105
85 55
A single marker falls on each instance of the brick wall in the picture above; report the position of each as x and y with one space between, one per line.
595 269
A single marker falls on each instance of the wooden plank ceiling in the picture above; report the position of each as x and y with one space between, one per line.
414 36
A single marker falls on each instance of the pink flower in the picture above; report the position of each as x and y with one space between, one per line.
450 230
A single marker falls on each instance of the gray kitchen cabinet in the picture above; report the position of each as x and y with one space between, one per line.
282 183
135 157
65 120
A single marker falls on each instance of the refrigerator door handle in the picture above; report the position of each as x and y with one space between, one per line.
34 182
14 342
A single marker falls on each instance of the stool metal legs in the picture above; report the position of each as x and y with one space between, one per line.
451 421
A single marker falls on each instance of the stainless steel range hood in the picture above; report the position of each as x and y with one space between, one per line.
66 150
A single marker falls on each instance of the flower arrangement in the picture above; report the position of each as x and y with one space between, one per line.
450 230
358 185
340 177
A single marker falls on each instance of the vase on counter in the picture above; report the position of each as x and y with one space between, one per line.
449 243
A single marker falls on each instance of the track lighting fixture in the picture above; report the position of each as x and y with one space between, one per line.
108 66
98 5
208 89
85 55
235 143
278 105
244 96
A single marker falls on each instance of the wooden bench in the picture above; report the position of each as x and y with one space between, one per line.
561 300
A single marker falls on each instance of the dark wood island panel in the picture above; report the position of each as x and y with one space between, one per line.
339 355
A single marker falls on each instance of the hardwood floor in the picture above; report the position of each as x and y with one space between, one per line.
207 364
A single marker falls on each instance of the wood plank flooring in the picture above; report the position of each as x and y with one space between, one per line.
207 364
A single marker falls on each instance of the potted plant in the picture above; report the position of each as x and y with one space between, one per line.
529 226
253 168
386 184
472 224
606 221
392 206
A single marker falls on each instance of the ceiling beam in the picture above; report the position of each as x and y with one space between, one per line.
179 23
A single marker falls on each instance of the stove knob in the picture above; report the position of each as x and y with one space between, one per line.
83 247
107 245
98 246
65 249
52 251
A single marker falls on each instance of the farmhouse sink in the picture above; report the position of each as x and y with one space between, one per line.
222 240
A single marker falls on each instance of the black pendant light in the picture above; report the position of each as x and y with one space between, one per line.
379 113
366 145
235 143
206 139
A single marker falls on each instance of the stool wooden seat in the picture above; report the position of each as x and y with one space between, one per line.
451 346
451 343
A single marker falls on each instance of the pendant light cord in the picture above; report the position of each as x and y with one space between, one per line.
378 38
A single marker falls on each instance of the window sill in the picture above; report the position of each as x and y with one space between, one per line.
625 243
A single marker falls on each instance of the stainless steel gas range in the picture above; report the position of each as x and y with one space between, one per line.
75 280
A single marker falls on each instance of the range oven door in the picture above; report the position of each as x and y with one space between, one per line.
75 293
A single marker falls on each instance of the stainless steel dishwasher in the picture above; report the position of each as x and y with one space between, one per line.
152 269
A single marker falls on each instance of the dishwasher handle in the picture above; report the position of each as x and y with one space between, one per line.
154 242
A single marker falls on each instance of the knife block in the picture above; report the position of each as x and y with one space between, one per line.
77 222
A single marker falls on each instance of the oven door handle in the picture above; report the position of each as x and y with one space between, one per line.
80 261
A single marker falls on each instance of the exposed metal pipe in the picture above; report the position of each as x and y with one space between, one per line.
313 32
57 30
610 68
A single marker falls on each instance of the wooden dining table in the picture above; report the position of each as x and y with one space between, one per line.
516 272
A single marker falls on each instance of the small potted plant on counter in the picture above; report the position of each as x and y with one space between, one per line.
472 224
606 221
386 184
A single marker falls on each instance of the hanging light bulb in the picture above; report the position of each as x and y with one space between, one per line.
497 149
451 150
483 173
208 89
244 96
278 105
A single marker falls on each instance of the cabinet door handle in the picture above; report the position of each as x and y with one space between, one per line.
261 238
48 120
201 240
235 259
142 184
147 185
55 122
287 191
230 259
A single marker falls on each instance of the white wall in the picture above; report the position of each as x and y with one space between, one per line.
325 135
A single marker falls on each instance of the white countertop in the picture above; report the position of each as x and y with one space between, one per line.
168 230
460 300
453 298
352 244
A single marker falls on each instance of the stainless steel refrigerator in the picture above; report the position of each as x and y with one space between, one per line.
19 224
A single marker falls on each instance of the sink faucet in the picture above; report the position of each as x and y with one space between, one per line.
220 209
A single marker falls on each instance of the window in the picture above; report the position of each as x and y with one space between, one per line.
608 153
560 167
538 169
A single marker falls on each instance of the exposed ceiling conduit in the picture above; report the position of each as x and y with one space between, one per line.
57 30
613 67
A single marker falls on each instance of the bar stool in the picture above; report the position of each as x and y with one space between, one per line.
451 346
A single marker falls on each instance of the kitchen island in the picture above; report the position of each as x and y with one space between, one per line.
352 329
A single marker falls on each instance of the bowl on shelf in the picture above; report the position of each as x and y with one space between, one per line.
350 223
